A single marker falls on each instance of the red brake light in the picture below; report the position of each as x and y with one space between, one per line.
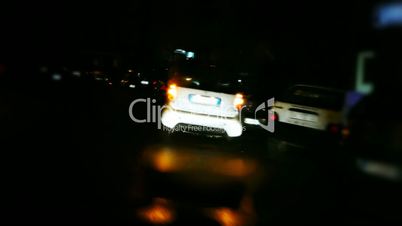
274 117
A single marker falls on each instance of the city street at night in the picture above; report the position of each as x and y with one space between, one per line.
201 113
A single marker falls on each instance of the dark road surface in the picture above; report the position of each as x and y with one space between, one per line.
71 154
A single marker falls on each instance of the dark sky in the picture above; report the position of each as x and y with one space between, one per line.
312 36
131 24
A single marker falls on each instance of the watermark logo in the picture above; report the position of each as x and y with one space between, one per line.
271 115
153 113
194 129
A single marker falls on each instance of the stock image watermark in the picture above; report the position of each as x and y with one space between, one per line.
154 114
185 128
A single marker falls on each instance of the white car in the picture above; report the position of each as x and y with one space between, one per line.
206 110
312 107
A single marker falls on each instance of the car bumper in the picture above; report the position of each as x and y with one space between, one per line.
300 135
232 126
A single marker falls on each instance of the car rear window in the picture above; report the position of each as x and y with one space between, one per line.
205 77
315 97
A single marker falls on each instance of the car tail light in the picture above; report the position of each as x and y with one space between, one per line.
238 101
274 117
163 87
172 92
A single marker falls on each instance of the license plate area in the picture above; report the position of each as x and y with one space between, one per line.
204 100
304 117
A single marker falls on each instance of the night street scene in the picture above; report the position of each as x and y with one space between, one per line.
201 112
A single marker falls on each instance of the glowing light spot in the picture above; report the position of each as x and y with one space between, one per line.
56 77
158 213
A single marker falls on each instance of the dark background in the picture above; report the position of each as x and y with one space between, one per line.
69 149
309 41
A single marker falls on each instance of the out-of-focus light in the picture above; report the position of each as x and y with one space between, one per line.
345 133
389 15
196 83
44 69
227 217
180 51
237 168
352 98
190 55
131 86
189 79
379 169
158 213
239 80
164 161
251 121
56 77
362 86
129 70
238 101
172 92
98 79
145 82
76 73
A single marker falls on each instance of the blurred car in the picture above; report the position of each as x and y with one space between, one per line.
312 107
199 96
374 146
100 76
152 82
374 135
54 73
373 143
130 80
